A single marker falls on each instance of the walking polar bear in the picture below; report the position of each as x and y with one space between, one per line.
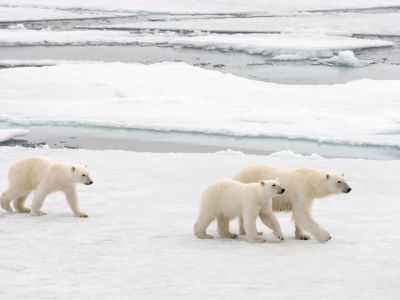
43 176
302 185
229 199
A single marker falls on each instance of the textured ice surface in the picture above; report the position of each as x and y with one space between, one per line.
183 98
6 134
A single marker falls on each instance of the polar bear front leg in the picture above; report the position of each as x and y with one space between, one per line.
306 222
37 202
73 201
241 227
250 215
300 234
268 217
223 228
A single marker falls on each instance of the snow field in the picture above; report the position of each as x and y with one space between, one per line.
138 241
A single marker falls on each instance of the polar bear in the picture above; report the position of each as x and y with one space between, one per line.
43 176
229 199
303 185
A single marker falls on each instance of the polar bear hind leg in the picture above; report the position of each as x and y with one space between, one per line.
8 196
19 205
201 225
37 202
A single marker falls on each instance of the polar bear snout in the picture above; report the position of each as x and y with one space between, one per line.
348 190
281 191
89 180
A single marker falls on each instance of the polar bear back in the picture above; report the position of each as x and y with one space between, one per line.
226 197
29 172
257 172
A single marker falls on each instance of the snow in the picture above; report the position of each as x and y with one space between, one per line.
138 241
123 95
58 38
14 12
7 134
283 57
29 13
17 27
201 6
264 44
317 23
6 63
345 58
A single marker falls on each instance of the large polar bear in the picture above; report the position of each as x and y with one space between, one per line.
303 185
43 176
229 199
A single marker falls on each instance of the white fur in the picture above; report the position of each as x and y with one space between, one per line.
43 176
302 185
229 199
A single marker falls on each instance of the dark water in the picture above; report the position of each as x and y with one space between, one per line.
240 64
164 142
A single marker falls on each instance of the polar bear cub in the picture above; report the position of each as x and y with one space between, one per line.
229 199
43 176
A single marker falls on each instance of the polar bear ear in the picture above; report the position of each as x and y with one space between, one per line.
327 176
73 169
262 182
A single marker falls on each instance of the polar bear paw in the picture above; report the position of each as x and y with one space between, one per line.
242 232
323 236
327 235
258 240
203 235
279 236
231 235
7 207
24 210
303 236
81 215
38 213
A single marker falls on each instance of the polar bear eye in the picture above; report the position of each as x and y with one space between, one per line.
274 184
339 181
83 175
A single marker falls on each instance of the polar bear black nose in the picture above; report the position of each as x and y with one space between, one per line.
90 182
348 190
282 191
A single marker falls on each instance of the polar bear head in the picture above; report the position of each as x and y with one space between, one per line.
337 183
81 175
272 187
